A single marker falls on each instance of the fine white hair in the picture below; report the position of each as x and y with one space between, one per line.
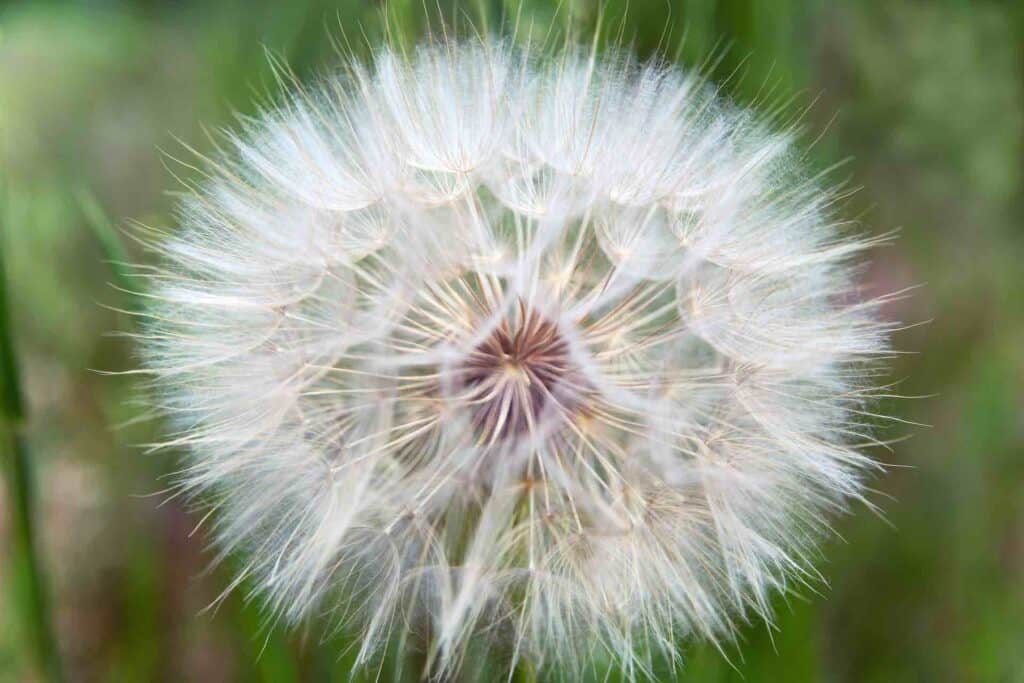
560 352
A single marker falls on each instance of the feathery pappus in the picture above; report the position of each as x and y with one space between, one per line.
562 352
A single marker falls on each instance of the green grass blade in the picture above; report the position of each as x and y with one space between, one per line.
30 585
109 240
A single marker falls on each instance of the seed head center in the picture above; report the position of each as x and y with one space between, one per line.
520 377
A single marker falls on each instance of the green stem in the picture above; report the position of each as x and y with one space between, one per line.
524 673
18 468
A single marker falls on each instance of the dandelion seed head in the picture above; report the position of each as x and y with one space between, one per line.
562 351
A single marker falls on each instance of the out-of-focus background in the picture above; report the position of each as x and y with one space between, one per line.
927 98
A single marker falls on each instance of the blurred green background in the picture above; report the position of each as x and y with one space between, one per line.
927 98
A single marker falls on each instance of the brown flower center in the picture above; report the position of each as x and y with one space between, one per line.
520 379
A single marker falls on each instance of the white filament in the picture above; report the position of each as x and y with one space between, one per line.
313 314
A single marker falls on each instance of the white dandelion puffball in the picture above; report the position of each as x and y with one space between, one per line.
562 352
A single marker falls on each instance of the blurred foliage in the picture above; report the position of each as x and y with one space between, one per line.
925 98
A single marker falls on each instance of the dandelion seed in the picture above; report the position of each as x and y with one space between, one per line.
561 352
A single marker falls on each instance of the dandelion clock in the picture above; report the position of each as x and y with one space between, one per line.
559 354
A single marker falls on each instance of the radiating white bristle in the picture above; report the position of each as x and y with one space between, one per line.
562 351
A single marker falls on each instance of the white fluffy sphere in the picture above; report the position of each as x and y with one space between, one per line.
563 352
